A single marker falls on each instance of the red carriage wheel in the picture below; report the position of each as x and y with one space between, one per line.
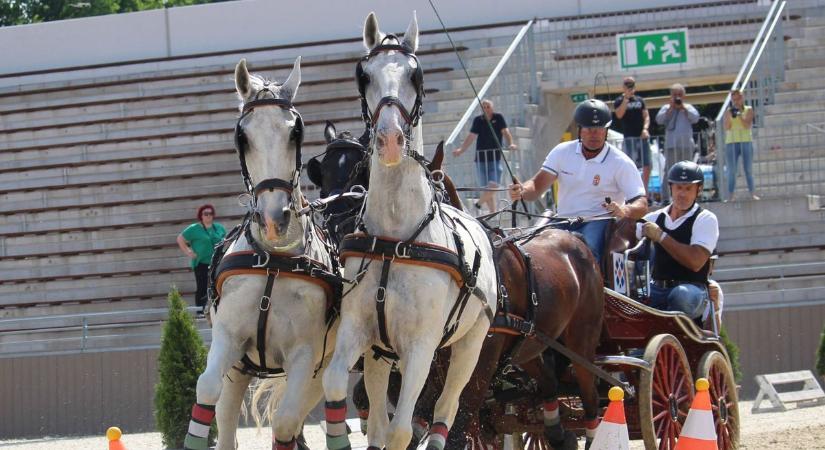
665 393
535 441
723 398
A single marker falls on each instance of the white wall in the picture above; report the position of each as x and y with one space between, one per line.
255 23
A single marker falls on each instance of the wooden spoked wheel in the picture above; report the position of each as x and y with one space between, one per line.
723 398
665 393
535 441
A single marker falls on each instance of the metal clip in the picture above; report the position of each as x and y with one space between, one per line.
404 251
534 299
260 264
265 303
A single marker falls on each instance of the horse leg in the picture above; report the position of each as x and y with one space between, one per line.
302 393
545 373
223 353
350 343
463 359
361 402
376 380
228 409
415 367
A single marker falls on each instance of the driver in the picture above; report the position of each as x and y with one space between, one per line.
589 171
684 236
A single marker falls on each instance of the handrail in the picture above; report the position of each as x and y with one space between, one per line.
501 63
760 41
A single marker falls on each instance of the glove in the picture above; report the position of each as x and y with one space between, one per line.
652 231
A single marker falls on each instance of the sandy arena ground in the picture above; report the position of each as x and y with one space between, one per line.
802 428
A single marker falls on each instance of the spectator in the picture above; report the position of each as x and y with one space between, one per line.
631 111
197 241
739 142
678 118
684 236
488 150
589 170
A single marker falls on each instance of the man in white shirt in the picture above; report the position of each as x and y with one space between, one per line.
684 236
589 170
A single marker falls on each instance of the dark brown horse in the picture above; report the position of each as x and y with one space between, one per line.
569 307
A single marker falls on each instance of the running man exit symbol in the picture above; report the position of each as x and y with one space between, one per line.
651 49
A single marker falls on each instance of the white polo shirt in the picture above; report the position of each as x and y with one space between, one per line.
705 229
584 183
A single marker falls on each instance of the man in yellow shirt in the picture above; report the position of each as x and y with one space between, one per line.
739 142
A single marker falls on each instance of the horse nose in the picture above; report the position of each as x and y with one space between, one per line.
277 224
390 145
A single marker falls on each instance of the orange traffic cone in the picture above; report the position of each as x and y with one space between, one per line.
612 432
699 432
113 434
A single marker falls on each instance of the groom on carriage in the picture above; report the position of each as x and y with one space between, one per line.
596 180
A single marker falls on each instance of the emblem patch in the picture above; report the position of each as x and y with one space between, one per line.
596 180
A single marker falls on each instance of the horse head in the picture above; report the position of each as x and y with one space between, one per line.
268 137
390 81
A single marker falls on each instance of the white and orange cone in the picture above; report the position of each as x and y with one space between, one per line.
699 432
113 434
612 432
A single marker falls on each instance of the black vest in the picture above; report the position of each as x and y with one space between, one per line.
665 267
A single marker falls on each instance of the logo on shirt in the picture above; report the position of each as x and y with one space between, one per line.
596 180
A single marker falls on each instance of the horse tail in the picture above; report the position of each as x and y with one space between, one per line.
270 391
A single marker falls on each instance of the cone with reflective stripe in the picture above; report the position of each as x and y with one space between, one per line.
113 435
612 432
699 432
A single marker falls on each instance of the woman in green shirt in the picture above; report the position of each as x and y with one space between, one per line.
198 242
739 142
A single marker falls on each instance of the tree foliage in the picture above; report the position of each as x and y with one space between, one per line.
181 360
820 356
733 354
19 12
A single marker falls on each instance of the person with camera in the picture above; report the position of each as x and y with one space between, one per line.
738 122
684 236
631 111
678 118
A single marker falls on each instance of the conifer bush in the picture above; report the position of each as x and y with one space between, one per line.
820 356
733 353
181 360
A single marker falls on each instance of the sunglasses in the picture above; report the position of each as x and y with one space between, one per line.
630 85
207 213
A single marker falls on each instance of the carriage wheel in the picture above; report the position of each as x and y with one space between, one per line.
665 393
534 441
723 398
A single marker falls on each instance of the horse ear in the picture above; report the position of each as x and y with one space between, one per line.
242 84
372 36
293 80
314 172
329 132
411 35
438 158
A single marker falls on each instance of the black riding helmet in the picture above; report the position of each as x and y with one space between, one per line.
685 172
592 113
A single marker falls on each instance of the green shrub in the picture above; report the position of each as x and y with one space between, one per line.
181 360
820 356
733 354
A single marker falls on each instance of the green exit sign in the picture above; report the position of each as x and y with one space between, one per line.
578 97
652 49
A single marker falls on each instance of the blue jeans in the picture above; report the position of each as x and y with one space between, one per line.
732 154
489 172
593 233
638 150
690 299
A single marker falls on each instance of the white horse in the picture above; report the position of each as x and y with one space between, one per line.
268 137
417 299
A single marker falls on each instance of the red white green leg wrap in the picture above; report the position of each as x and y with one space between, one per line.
198 436
590 426
438 436
336 417
363 415
280 445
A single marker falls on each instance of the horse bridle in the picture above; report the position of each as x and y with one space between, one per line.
296 135
412 116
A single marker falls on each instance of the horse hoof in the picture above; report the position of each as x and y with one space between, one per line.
570 442
302 443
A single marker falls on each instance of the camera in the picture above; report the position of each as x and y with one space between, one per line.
677 100
734 111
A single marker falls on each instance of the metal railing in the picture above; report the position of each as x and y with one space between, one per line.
758 77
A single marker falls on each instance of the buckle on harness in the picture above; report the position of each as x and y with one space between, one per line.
265 303
381 294
260 264
402 252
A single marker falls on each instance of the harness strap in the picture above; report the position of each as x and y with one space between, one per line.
263 316
380 300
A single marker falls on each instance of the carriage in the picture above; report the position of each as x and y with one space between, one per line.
654 355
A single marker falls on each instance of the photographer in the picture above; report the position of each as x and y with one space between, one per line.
739 142
678 118
630 109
